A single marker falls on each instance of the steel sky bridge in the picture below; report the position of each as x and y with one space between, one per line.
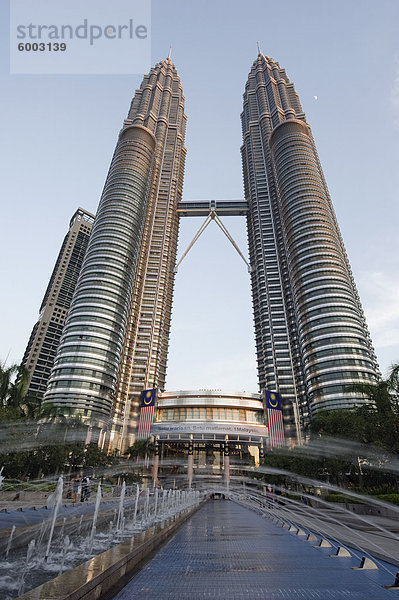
224 208
212 210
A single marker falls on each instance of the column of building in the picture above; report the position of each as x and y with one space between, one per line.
159 106
278 360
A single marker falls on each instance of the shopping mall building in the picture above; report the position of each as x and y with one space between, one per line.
198 432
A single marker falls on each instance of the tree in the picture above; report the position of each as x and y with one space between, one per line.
376 422
6 377
140 449
317 465
94 457
15 402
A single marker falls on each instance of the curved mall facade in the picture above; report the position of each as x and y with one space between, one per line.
210 421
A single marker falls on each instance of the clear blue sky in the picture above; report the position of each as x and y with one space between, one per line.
59 133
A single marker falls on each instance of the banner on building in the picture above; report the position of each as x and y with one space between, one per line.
206 427
146 417
274 419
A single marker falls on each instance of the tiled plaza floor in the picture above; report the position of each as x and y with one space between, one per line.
228 552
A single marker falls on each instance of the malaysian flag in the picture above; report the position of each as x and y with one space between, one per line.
274 419
147 408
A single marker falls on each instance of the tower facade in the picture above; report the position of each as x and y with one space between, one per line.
46 334
115 339
159 106
312 341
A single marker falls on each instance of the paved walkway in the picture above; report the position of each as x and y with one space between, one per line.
228 552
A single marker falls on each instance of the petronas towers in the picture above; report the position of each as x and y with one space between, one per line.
311 337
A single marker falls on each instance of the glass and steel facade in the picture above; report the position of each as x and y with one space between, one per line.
210 415
159 106
46 334
208 424
115 340
86 367
312 341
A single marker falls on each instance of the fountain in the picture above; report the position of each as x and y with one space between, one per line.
95 516
61 543
110 532
147 504
80 524
136 504
42 531
29 554
57 504
120 512
64 553
156 502
10 541
61 534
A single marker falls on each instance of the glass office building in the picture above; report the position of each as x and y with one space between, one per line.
312 341
46 334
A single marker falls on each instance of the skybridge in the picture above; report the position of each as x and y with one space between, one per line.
212 210
202 208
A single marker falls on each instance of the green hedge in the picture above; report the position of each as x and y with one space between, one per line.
392 498
335 498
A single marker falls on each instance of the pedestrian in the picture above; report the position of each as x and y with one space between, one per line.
75 490
88 489
84 489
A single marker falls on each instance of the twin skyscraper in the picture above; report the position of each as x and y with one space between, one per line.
312 341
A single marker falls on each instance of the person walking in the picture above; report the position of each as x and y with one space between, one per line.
75 490
84 489
88 489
